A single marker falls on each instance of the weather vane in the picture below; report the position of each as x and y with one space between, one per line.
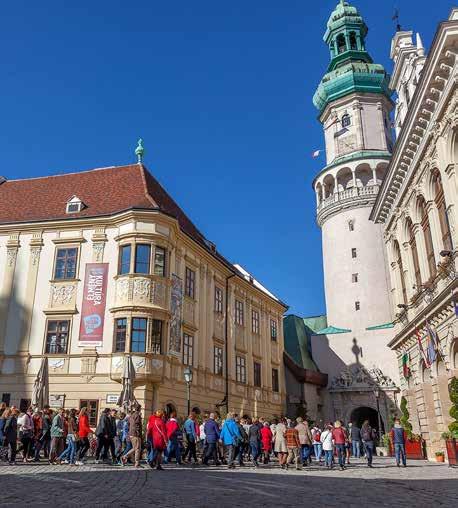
140 151
396 18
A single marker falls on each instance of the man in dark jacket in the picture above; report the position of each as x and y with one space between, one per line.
254 438
398 438
103 432
367 437
355 436
135 435
211 436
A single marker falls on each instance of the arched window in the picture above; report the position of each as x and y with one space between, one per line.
353 43
439 199
428 238
341 45
414 251
346 120
398 259
407 94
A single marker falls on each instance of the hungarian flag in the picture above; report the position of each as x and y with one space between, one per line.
405 365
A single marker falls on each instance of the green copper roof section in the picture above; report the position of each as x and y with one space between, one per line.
351 68
381 327
297 333
332 330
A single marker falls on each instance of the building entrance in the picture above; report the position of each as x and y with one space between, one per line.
360 414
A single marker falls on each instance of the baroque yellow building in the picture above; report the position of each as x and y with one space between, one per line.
101 264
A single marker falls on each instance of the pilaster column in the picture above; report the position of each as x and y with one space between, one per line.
374 175
12 248
99 238
409 272
34 261
384 144
358 121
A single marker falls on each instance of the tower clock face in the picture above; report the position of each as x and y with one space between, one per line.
346 144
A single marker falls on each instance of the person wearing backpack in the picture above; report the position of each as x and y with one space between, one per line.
340 439
317 446
328 448
367 437
244 441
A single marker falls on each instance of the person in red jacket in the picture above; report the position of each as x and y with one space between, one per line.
173 445
157 435
266 440
83 432
339 437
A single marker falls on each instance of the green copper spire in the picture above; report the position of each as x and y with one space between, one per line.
351 67
140 151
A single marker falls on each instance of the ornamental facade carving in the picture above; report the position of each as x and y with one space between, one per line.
62 295
357 376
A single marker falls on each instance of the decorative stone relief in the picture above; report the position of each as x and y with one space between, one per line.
11 255
117 363
56 364
35 255
158 293
156 364
62 295
122 288
98 248
357 376
139 363
142 288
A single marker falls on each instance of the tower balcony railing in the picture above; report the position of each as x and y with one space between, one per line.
348 195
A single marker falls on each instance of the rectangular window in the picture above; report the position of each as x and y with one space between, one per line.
357 306
92 410
159 261
257 374
138 335
218 300
275 383
353 252
142 258
354 277
218 360
190 283
273 329
240 369
24 404
6 398
124 259
239 318
255 322
188 346
351 225
66 259
156 337
120 335
57 337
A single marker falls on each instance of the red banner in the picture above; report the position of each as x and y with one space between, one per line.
94 301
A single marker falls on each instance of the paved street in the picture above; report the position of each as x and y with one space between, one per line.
421 484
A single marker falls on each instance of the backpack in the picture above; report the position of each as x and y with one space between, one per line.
317 436
367 434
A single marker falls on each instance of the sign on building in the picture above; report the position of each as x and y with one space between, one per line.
112 398
94 301
56 400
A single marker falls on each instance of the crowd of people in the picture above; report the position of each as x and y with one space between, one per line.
65 437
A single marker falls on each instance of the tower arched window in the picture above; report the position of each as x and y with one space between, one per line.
428 237
407 94
414 251
397 256
439 199
346 120
353 43
341 44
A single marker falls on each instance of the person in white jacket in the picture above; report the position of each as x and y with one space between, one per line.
328 447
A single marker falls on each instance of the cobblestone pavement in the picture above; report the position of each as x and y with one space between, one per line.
421 484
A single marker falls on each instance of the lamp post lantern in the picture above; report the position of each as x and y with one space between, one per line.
188 379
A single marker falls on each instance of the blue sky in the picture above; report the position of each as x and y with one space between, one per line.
221 92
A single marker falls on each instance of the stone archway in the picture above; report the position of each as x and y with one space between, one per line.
362 413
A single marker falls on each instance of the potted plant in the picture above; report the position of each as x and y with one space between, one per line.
451 437
440 456
414 444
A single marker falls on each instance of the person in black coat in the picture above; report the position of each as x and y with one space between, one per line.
103 432
10 434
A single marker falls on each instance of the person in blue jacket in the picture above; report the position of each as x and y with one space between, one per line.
232 439
211 430
191 438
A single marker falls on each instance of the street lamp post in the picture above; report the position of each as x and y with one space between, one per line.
188 379
377 398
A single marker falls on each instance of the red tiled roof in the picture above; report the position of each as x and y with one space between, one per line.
104 192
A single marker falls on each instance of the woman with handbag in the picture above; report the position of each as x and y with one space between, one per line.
157 433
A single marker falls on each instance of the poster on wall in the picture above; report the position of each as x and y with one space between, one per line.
94 301
176 306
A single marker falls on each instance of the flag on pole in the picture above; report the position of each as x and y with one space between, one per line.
405 365
434 341
422 351
316 153
430 350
